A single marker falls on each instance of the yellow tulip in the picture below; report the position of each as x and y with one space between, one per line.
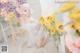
67 7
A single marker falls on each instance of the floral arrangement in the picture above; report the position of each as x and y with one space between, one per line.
69 7
53 26
74 14
13 12
9 12
75 17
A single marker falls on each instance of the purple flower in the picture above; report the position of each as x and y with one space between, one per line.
1 5
10 6
21 1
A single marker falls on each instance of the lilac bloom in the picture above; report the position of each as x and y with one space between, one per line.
21 1
1 5
10 7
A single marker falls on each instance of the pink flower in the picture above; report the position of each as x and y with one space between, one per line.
24 10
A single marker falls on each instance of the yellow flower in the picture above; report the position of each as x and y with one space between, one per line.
75 15
51 19
71 26
67 7
77 25
59 26
10 16
47 23
42 20
52 29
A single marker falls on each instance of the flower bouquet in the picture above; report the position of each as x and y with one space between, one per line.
51 25
10 15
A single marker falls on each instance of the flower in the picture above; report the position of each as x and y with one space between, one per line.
51 24
41 20
44 22
51 19
10 6
76 26
1 5
75 15
52 29
67 6
59 26
10 16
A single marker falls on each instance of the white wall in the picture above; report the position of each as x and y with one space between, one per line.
36 8
48 7
42 7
